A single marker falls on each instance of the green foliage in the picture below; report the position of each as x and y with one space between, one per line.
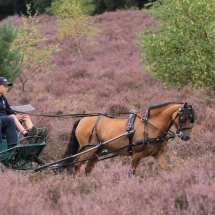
10 66
110 5
87 6
72 21
181 49
121 4
36 55
41 5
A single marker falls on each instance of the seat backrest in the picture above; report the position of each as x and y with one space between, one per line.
3 146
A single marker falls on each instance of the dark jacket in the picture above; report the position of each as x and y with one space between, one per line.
5 107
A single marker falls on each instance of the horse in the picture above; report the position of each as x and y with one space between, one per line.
139 136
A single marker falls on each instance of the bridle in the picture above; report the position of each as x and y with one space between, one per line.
184 111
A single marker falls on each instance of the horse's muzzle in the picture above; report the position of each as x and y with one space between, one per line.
185 136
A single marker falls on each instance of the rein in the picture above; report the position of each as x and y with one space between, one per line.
111 115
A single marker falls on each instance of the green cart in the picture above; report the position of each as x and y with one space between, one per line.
24 156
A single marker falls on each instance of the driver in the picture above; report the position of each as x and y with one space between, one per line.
10 121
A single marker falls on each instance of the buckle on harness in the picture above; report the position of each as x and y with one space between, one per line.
100 145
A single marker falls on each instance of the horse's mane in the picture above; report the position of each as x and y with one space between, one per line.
163 105
153 107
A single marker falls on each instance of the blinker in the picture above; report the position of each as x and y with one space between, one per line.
183 112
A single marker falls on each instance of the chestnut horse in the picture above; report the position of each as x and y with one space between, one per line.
140 135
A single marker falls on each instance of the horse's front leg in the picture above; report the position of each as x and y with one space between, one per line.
161 160
160 157
135 161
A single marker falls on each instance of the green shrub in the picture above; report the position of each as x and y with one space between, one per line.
10 66
87 6
41 5
181 50
73 22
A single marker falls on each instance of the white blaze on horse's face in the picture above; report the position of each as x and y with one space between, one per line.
183 122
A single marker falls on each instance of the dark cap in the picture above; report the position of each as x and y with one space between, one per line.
3 81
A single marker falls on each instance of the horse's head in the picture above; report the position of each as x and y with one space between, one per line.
183 125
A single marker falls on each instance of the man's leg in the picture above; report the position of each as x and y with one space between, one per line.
19 126
27 121
8 125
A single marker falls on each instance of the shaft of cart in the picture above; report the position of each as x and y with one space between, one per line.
76 155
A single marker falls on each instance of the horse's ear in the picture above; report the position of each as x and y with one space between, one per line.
185 104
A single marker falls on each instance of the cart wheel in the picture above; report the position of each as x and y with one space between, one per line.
39 161
3 168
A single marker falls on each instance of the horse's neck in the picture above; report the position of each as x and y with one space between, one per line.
163 117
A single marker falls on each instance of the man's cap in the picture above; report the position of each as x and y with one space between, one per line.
3 81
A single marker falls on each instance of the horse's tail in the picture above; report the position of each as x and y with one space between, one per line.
72 149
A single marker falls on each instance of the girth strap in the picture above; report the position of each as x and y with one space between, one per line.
130 127
95 128
145 132
91 134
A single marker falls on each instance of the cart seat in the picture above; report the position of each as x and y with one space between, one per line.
22 140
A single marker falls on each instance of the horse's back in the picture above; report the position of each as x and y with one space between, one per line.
104 126
92 129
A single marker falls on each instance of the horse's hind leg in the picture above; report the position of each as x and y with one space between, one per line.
92 162
82 159
90 165
77 165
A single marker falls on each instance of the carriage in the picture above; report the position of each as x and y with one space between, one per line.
24 156
139 136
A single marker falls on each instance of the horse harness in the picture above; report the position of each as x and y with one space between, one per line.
182 112
130 126
130 129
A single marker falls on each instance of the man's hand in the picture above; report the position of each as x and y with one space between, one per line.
21 117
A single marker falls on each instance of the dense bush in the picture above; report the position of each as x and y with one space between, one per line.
109 5
41 5
10 66
180 50
110 78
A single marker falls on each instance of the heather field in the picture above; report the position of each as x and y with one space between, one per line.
110 78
